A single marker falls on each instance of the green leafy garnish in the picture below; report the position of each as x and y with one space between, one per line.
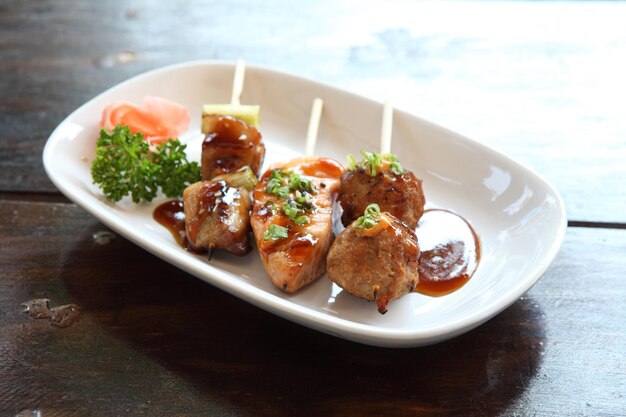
276 186
370 218
351 162
373 161
243 177
275 232
298 183
282 183
394 165
125 165
296 212
296 193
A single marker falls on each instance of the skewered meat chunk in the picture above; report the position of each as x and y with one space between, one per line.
229 144
217 217
399 193
379 263
292 219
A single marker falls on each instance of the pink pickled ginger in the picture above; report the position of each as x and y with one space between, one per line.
158 119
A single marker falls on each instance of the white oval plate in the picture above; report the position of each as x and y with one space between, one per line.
519 217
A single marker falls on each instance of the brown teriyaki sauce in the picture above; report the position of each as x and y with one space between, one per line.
449 246
449 252
171 215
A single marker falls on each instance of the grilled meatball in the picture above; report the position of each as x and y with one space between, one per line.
400 195
217 216
230 144
378 264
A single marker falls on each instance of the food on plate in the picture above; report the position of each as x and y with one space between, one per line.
171 214
229 145
292 219
217 217
244 112
232 140
379 178
247 113
216 211
290 210
243 177
158 119
125 165
375 258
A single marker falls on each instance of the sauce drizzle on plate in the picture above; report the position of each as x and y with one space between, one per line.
450 252
171 215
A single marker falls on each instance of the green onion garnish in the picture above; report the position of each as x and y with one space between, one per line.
370 218
275 232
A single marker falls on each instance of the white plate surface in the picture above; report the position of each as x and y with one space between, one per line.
519 217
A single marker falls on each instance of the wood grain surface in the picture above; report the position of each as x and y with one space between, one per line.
542 82
153 340
521 77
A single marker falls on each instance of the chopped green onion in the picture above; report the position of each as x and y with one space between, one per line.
396 168
290 209
281 183
394 165
244 177
351 162
296 212
372 163
275 232
370 218
298 183
302 220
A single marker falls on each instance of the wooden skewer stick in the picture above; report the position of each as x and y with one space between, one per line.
385 135
240 71
314 123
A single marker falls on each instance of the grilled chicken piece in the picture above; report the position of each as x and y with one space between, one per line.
295 254
378 264
229 144
400 195
217 217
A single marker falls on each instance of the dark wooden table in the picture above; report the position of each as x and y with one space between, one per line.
542 82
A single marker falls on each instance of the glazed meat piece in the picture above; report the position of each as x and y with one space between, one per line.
292 219
229 144
399 193
217 217
378 263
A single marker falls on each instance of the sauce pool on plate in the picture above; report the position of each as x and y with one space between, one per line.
450 252
171 215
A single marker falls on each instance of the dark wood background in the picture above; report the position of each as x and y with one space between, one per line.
542 82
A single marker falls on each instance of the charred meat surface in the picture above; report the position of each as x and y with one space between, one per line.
377 261
229 145
292 219
217 217
400 195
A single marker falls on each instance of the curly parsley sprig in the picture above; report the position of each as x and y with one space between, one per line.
124 165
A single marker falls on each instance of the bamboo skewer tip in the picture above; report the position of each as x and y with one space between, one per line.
386 128
314 123
240 70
